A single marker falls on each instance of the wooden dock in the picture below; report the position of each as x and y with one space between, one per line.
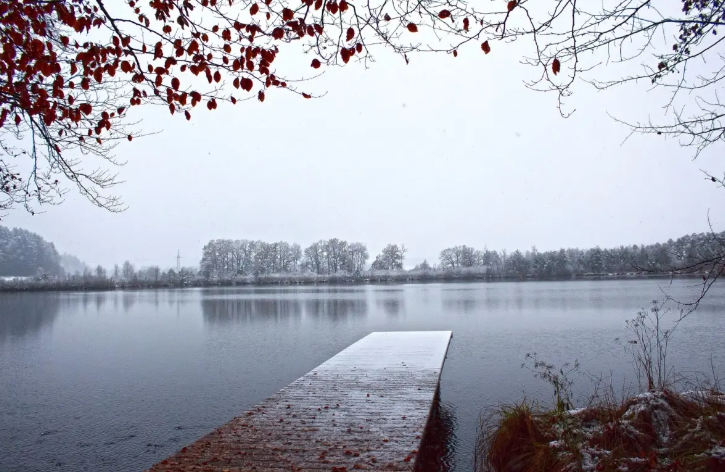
364 409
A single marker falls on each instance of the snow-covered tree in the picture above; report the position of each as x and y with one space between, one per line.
128 272
23 253
392 257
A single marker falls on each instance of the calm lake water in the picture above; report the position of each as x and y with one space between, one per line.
117 381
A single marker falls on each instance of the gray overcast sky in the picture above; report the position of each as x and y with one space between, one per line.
440 152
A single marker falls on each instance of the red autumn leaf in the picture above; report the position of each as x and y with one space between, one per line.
254 9
345 54
287 14
306 95
386 17
260 96
455 53
316 64
217 77
466 24
130 138
555 66
278 33
175 83
85 108
485 47
188 115
412 28
444 14
350 34
343 6
359 47
511 5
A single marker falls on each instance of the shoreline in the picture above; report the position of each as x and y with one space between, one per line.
26 286
659 429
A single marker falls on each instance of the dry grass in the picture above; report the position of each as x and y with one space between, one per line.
654 431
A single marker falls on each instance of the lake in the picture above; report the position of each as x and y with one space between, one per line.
116 381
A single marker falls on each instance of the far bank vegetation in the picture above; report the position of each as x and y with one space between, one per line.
28 262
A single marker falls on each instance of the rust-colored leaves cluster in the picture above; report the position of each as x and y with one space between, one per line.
77 69
555 66
57 73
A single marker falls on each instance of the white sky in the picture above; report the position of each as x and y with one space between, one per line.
440 152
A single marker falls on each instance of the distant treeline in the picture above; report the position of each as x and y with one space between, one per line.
225 259
685 253
23 254
27 254
336 261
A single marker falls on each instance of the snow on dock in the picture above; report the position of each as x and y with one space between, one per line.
366 408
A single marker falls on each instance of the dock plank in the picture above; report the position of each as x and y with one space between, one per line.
364 409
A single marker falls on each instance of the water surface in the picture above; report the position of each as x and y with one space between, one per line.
116 381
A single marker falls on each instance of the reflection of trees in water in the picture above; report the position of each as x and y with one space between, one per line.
231 310
128 300
460 303
391 306
23 314
226 310
336 308
294 290
100 299
88 299
439 441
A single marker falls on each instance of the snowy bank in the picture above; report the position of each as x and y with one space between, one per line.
654 431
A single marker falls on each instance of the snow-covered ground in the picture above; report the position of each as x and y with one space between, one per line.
657 431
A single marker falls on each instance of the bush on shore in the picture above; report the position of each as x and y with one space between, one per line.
661 429
654 431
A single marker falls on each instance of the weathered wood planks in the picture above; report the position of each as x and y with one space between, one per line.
364 409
